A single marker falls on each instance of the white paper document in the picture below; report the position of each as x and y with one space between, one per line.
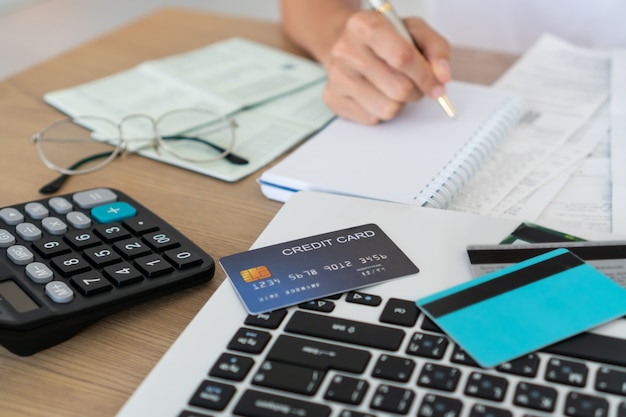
618 140
564 87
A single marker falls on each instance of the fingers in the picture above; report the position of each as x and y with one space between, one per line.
373 72
434 47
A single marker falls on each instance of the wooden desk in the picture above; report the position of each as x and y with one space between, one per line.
94 373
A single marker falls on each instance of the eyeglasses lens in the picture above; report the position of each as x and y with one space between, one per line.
196 135
80 144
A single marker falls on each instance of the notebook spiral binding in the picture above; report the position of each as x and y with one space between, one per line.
449 182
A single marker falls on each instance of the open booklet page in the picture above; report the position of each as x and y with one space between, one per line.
275 98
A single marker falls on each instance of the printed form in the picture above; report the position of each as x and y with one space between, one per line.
618 141
566 88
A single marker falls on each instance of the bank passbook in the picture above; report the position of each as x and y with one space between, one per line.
314 267
525 307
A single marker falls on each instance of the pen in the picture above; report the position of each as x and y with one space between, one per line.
384 7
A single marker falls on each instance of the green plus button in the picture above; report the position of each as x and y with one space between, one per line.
113 212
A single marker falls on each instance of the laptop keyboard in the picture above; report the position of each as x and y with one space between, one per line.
323 358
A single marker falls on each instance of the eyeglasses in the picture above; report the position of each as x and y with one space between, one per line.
84 144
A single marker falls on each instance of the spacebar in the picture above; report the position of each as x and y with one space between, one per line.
594 347
262 404
348 331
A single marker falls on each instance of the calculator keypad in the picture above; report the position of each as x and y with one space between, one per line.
84 255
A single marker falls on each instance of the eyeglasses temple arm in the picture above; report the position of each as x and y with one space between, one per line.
230 157
56 184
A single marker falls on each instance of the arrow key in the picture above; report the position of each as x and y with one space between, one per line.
322 306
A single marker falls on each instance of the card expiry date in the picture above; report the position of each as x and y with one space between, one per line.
306 269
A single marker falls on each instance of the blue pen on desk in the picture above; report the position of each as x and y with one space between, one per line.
385 8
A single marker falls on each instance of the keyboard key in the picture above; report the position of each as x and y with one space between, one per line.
486 386
70 264
6 239
131 248
439 406
20 255
428 324
459 356
36 211
101 256
111 232
363 298
78 220
262 404
182 258
611 380
352 413
28 231
160 241
592 347
249 340
59 292
153 265
537 397
92 198
60 205
439 377
393 368
481 410
212 395
11 216
347 390
566 372
187 413
524 366
90 283
287 377
269 320
122 274
54 226
139 225
81 239
113 212
233 367
322 306
51 247
39 272
427 345
400 312
583 405
343 330
318 355
392 399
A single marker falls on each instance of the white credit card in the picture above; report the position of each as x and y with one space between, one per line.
609 257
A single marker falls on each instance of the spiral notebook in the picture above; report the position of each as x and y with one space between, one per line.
421 157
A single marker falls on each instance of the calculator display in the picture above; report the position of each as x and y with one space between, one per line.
16 298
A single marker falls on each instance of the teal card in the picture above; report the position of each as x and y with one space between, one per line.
525 307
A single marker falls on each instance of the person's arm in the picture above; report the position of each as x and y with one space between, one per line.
372 70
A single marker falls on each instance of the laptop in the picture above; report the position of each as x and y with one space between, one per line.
371 352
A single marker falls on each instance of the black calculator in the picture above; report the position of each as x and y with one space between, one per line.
69 260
